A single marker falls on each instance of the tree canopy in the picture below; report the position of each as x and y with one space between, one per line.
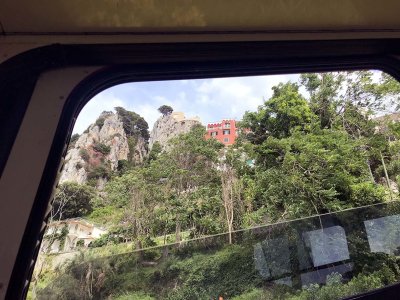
165 109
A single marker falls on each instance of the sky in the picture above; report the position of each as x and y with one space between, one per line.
209 99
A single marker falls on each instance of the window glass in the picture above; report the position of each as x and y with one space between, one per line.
265 187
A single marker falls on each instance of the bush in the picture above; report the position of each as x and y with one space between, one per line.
101 241
123 166
256 294
365 193
335 289
102 148
100 171
134 296
100 122
228 272
84 154
73 139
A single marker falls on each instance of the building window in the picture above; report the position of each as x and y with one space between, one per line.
226 140
226 132
227 125
214 133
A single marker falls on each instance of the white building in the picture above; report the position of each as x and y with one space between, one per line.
68 235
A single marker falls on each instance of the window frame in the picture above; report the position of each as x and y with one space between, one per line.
150 62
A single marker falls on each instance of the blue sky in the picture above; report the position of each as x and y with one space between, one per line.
209 99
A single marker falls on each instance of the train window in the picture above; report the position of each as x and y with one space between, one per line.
264 187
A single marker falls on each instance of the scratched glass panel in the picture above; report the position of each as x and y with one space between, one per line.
278 261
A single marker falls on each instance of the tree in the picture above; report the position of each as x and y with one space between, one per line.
165 110
324 89
134 125
72 200
285 111
189 183
312 173
231 196
131 194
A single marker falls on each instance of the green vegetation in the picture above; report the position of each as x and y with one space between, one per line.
72 200
134 124
155 151
201 270
73 140
308 156
165 110
102 148
100 171
100 122
84 154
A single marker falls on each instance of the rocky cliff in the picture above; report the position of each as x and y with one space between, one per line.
118 138
97 152
169 126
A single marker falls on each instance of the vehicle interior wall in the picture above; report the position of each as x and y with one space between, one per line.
52 63
61 78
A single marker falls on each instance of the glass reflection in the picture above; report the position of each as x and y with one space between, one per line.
327 245
384 234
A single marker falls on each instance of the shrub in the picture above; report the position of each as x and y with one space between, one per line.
228 272
365 193
256 294
101 241
123 166
335 289
134 296
100 171
102 148
84 154
100 122
73 139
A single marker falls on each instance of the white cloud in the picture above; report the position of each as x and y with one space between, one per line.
210 99
231 97
91 111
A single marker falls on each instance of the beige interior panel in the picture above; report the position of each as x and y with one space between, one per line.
76 16
23 171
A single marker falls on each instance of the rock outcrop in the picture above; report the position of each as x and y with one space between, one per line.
117 137
169 126
97 151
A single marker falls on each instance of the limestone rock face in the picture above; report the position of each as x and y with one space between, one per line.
170 126
140 150
74 167
84 157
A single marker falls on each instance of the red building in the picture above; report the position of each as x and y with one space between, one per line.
224 131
